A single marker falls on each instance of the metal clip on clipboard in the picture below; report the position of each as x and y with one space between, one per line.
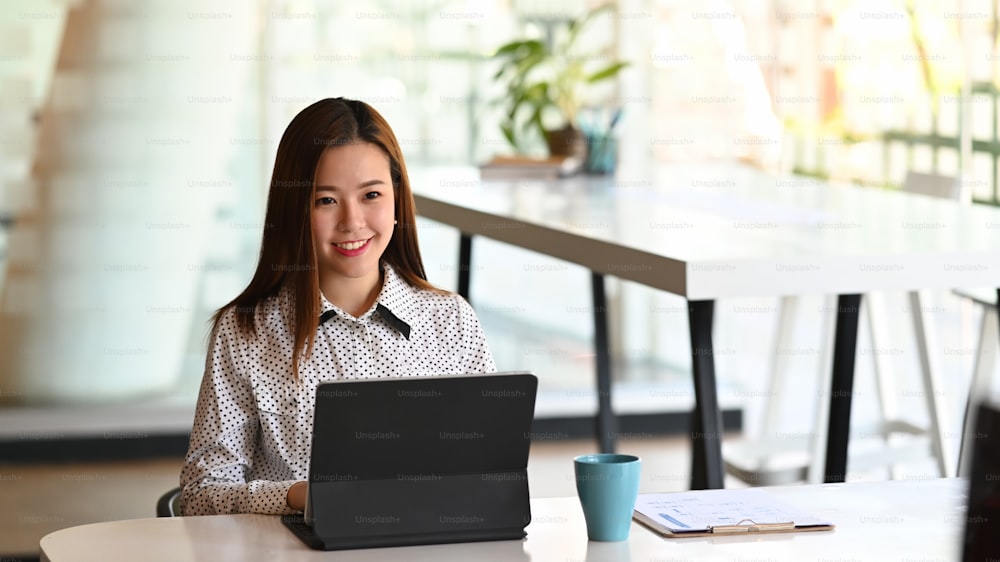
750 526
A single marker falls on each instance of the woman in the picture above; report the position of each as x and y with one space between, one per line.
339 293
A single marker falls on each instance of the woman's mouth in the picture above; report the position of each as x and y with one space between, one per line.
352 248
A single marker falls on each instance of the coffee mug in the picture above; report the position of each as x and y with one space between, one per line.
608 485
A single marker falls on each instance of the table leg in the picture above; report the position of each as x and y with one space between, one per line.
606 422
845 344
464 264
706 425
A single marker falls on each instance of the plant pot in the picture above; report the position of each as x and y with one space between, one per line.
565 142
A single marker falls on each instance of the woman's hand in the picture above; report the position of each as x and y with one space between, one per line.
296 497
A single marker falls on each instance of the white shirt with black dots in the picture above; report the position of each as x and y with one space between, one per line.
253 422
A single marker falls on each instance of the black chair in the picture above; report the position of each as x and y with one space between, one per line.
985 366
167 505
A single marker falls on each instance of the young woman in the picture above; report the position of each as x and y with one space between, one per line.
339 293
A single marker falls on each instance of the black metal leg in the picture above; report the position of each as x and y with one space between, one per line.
845 345
464 264
706 425
606 423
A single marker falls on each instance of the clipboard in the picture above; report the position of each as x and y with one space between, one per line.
723 513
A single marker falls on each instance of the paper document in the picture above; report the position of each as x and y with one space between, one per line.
742 510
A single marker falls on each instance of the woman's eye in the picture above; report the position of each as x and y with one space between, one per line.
325 201
372 195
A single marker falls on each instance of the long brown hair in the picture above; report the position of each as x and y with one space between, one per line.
287 257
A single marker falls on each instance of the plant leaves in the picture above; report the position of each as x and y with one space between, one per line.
607 72
508 133
577 25
520 49
539 78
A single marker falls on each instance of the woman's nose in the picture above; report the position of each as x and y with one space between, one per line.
351 218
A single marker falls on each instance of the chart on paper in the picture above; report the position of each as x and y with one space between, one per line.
681 512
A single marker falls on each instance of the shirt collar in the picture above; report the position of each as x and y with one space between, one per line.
394 305
397 302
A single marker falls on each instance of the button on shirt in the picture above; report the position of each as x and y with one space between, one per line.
253 422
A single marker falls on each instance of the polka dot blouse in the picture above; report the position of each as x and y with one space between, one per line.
253 422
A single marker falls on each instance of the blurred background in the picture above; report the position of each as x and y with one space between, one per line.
137 140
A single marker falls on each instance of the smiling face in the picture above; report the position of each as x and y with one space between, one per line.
352 216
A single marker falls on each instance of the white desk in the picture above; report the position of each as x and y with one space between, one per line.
722 232
875 521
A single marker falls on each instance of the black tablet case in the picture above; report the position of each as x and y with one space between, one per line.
419 460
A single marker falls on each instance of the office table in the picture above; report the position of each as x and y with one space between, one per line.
897 520
725 232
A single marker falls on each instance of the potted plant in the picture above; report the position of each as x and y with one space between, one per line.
545 83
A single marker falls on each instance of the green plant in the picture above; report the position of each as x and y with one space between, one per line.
549 77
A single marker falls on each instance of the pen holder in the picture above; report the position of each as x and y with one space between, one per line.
602 154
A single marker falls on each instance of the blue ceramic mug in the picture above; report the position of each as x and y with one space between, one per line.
607 484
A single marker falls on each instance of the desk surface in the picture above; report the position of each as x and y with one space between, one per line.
713 232
900 520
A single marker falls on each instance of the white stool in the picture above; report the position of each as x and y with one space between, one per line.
768 461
